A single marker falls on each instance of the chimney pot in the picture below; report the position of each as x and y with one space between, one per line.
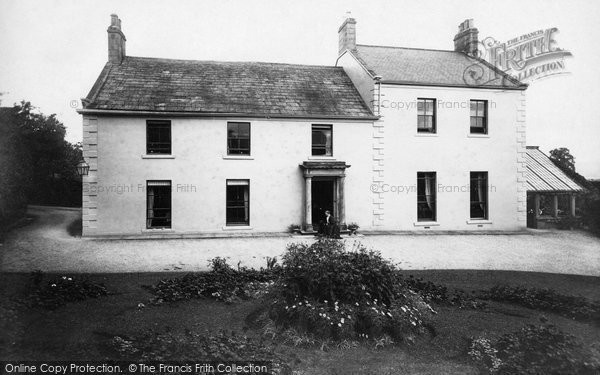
114 20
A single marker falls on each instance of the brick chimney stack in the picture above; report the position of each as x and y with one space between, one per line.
467 39
116 40
347 34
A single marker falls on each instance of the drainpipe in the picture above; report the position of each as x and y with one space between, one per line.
377 96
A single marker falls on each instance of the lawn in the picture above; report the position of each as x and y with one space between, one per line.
85 330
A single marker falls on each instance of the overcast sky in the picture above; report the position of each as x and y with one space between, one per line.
52 51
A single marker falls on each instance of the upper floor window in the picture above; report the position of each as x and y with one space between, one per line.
426 197
158 137
479 195
322 140
238 138
426 115
479 116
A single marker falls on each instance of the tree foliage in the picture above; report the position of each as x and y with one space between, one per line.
563 158
588 202
37 164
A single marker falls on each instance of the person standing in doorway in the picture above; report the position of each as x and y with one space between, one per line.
331 225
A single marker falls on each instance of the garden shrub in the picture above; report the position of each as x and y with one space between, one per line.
483 352
568 223
330 292
591 215
326 271
542 349
222 283
574 307
59 291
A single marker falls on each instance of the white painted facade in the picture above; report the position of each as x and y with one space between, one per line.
452 152
114 190
380 185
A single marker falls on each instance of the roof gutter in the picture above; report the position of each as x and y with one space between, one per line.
405 83
110 112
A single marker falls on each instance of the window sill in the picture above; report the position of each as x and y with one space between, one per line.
478 221
238 157
426 135
237 227
321 158
426 224
157 230
475 135
158 156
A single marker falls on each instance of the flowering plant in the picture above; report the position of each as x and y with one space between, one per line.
329 292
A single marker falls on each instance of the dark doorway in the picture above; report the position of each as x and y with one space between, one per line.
531 216
322 200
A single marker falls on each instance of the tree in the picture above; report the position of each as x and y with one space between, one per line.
562 158
37 164
14 171
588 201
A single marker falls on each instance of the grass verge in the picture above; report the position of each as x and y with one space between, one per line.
85 330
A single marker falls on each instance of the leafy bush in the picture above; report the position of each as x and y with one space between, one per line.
440 294
75 228
61 290
326 271
223 283
190 346
591 214
353 227
546 300
542 349
329 292
485 354
568 223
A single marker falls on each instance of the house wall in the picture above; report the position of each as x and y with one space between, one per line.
200 167
453 153
384 155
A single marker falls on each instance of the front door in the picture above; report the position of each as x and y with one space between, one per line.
322 193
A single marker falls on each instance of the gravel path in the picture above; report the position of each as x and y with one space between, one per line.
46 245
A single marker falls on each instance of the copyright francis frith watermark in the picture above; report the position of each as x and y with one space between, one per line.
526 58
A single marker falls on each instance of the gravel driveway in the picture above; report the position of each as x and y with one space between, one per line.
46 245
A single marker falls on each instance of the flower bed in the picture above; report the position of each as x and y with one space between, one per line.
60 290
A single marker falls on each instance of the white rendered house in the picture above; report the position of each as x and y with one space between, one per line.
186 148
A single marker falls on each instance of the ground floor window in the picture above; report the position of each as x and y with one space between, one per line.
479 195
426 198
158 212
238 202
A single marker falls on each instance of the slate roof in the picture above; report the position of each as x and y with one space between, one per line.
237 88
544 176
415 66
